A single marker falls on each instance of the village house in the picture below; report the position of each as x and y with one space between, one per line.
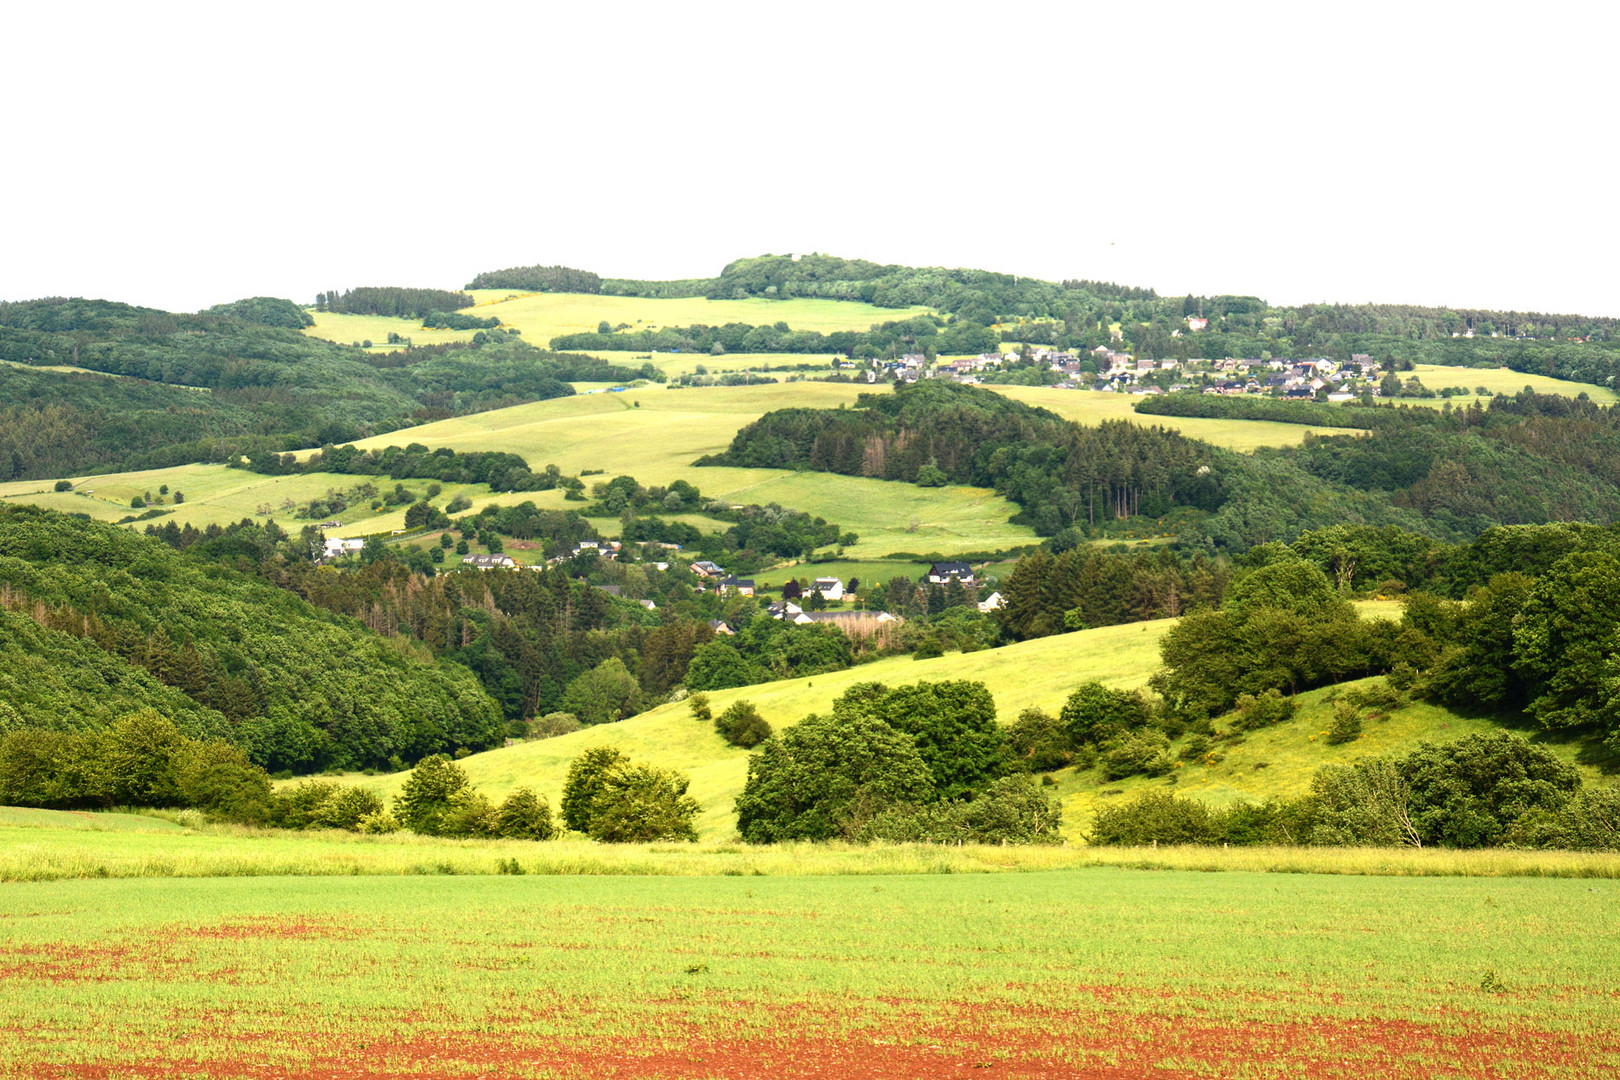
743 586
337 548
721 627
942 572
706 569
830 588
993 602
489 562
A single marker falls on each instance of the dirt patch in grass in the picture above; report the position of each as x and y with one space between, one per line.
976 1041
263 927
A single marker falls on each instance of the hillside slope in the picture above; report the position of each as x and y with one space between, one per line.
128 622
1276 761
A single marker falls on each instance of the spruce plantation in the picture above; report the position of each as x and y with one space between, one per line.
826 668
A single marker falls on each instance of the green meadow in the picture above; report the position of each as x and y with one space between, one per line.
216 495
1091 408
1077 973
543 316
1497 381
1278 761
655 434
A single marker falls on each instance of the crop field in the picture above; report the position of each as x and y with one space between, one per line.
1084 973
1498 381
357 329
543 316
655 434
216 495
1092 408
869 573
786 365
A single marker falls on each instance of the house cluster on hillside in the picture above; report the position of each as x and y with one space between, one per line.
1110 371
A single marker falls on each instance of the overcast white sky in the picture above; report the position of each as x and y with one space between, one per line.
180 156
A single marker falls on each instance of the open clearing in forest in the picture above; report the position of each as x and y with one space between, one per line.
1091 973
1497 381
1091 408
543 316
217 495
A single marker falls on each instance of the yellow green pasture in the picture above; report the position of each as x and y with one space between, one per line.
1497 381
356 329
543 316
1035 673
216 495
1092 408
655 434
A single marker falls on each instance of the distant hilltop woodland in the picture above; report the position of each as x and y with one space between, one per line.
1079 314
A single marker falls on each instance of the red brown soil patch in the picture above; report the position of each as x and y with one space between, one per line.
260 927
1026 1044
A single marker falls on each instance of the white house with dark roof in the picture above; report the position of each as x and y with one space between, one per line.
941 573
830 588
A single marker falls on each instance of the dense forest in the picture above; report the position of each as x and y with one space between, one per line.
562 279
98 621
1450 474
392 301
212 387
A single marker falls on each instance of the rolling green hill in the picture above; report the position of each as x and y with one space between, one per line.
1271 762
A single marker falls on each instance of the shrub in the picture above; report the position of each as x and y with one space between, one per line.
470 814
1263 710
525 816
1139 752
584 784
1093 713
379 824
347 808
64 485
1041 740
1346 726
1156 816
699 704
425 799
826 777
1013 810
553 724
741 725
641 803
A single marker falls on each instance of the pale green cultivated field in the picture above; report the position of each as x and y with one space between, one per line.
1091 408
353 329
543 316
1497 381
216 495
658 441
869 573
687 363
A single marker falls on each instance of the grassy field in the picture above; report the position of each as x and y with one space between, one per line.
543 316
1273 762
1100 972
869 573
1089 407
216 495
655 434
356 329
1035 673
1497 381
